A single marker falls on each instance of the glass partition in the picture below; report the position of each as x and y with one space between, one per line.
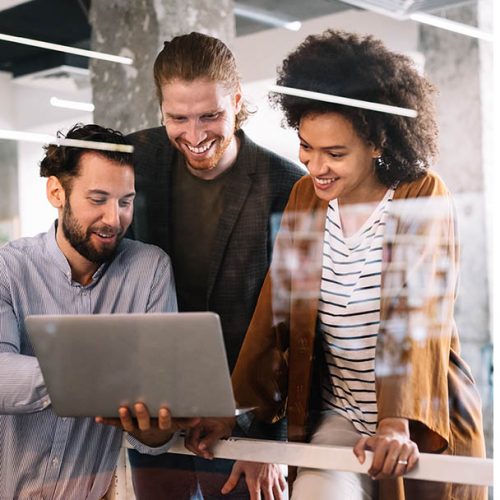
214 169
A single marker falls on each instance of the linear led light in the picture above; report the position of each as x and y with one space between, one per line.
64 48
264 17
362 4
421 17
357 103
60 141
63 103
446 24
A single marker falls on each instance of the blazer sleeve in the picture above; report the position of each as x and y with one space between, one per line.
260 377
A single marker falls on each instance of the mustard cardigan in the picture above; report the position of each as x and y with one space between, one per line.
419 374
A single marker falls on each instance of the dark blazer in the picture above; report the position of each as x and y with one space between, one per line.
260 185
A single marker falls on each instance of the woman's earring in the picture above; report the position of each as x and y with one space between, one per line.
380 163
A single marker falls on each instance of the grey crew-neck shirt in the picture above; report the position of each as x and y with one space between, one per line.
197 206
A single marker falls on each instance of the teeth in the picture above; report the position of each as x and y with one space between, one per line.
324 182
200 149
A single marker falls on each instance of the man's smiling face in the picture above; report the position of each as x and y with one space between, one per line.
199 117
98 207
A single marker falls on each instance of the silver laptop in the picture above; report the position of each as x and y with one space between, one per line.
92 364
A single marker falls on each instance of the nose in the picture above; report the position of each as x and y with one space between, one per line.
111 214
314 164
195 133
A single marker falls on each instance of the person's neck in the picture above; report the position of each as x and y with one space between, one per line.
225 163
368 197
82 269
371 192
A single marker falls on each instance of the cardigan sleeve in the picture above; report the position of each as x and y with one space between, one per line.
417 330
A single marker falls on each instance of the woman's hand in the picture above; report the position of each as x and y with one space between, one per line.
394 453
201 438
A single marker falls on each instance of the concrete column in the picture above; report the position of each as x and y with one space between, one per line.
9 197
492 204
452 63
460 66
124 96
8 171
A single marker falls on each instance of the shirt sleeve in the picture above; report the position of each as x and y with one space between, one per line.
22 388
162 297
148 450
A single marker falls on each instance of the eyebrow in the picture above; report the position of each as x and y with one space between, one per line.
174 115
336 147
105 193
178 115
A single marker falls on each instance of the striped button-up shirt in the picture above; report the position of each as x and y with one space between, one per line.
43 456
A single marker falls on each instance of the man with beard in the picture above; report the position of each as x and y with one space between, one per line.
208 196
80 266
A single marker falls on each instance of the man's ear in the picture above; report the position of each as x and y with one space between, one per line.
55 192
238 100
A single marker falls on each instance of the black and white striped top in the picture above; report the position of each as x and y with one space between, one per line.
349 314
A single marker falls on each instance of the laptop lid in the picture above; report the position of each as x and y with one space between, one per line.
92 364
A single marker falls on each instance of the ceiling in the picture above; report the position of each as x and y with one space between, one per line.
66 22
58 21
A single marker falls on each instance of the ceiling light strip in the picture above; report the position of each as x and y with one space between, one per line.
447 24
78 105
60 141
266 18
394 13
346 101
64 48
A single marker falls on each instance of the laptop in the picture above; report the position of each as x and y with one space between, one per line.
93 364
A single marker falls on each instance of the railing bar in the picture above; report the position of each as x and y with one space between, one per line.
431 467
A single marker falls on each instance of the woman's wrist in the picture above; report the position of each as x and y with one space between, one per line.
394 424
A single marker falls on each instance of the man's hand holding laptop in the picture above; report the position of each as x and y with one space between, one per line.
152 432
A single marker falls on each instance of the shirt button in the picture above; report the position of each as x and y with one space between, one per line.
55 461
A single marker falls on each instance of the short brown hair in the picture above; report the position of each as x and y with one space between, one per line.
193 56
63 162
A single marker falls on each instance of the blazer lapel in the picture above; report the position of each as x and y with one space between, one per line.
236 193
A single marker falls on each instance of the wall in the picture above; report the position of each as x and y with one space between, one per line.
9 221
34 113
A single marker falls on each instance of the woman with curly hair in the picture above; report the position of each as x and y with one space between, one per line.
353 337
